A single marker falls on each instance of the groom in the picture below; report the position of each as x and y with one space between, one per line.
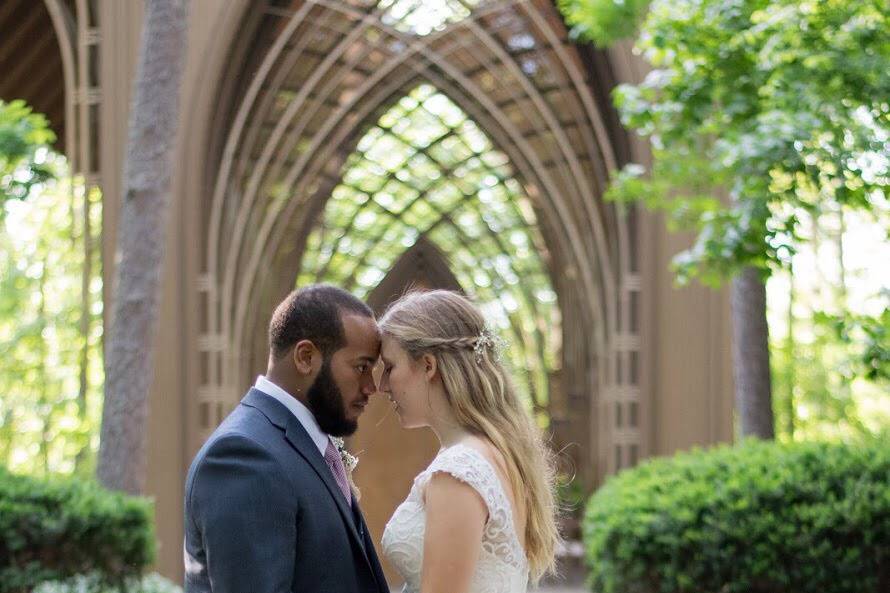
268 506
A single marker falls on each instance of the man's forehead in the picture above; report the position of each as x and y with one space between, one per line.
361 333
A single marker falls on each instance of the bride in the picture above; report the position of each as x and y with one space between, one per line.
481 517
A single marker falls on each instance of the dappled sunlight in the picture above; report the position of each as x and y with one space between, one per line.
422 17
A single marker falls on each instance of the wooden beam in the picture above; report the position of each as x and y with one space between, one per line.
31 65
34 20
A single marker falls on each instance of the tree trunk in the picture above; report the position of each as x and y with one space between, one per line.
842 268
129 363
751 355
85 325
44 409
790 346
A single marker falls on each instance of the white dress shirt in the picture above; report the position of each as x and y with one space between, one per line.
296 407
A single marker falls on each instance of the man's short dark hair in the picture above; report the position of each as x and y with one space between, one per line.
313 313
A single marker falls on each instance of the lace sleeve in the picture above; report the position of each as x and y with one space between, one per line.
469 466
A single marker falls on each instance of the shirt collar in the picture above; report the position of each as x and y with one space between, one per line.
298 409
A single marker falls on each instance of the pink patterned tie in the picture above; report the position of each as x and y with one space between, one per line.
332 457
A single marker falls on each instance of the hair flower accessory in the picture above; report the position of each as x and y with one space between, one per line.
488 340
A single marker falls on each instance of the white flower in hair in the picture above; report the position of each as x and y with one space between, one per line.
488 340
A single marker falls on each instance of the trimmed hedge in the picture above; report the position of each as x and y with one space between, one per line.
755 518
58 528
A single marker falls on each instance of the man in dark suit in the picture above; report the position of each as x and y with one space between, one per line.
268 505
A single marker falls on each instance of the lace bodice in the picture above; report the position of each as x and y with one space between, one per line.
502 565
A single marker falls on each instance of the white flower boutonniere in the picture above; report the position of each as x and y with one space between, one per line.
349 463
349 460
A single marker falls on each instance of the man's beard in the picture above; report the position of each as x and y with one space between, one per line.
326 403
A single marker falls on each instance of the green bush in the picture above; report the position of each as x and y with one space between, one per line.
755 518
58 528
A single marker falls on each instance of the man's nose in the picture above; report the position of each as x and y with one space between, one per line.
369 386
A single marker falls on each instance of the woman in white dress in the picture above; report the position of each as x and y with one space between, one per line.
481 517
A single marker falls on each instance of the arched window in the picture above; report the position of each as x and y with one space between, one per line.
427 170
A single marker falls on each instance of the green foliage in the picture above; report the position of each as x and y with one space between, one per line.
761 114
24 137
779 106
50 304
831 397
829 335
56 529
47 425
872 336
603 21
758 517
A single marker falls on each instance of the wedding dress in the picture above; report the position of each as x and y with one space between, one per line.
502 565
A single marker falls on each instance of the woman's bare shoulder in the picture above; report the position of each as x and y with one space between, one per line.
488 450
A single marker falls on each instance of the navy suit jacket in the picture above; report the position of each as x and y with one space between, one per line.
263 513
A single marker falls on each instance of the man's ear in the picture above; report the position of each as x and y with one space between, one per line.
304 355
430 366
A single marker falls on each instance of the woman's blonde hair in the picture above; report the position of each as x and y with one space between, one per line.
482 397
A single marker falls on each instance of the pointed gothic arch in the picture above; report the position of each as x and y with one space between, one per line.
328 71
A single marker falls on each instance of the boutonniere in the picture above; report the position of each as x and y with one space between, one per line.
349 460
349 463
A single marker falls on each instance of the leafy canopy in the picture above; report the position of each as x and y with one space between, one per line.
776 105
24 137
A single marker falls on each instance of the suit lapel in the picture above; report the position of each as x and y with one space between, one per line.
300 440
